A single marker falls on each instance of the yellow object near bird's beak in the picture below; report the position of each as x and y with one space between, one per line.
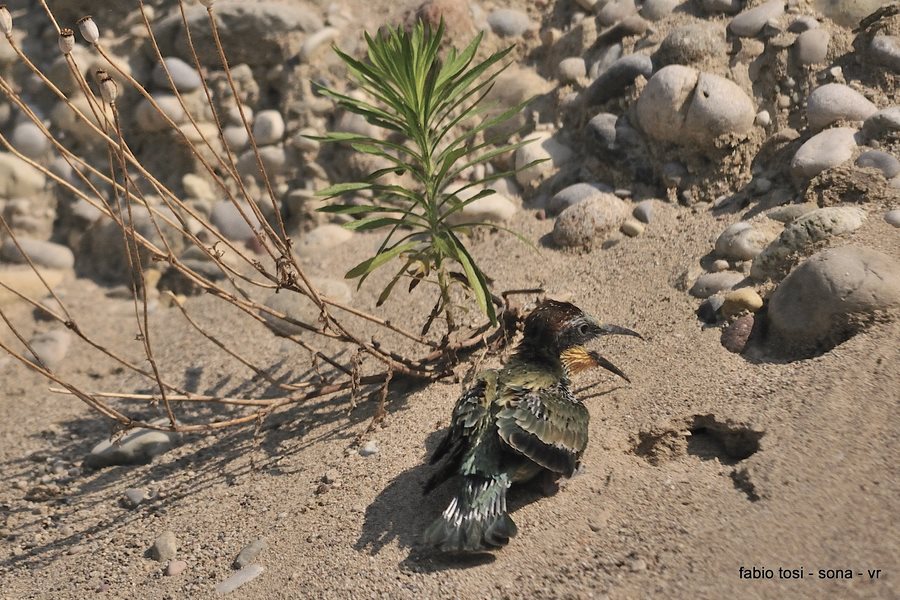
578 358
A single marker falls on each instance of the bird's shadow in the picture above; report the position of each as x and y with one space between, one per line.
401 513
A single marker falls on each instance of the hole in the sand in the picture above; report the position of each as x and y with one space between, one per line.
729 444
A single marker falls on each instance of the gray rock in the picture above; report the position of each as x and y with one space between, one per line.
184 76
824 150
574 194
509 22
614 11
546 148
41 253
571 69
249 553
751 22
690 44
803 23
236 137
812 46
136 447
885 50
602 130
719 107
133 497
370 448
643 211
613 81
799 235
892 217
709 284
268 127
790 212
274 158
708 311
886 120
228 220
175 568
150 120
28 139
830 297
244 576
589 221
743 241
656 10
18 179
884 162
50 347
165 547
834 102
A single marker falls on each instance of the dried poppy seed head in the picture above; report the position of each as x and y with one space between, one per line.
5 20
88 29
109 91
66 40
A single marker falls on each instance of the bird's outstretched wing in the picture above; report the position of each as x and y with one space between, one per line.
471 416
546 425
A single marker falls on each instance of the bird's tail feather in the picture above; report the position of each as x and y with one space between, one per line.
476 518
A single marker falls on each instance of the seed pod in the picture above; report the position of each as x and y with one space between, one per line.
66 40
5 20
89 30
109 91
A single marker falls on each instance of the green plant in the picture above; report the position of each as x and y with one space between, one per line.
429 104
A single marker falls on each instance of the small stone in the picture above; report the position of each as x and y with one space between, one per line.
50 347
613 82
546 148
245 575
589 221
884 121
690 44
885 50
803 23
614 11
751 22
763 118
571 70
735 336
370 448
41 253
19 179
824 150
636 565
708 311
742 241
508 22
228 220
812 46
656 10
24 280
575 193
892 217
150 120
632 227
643 211
236 137
740 300
719 266
715 283
28 139
248 553
185 77
884 162
175 568
602 131
331 476
134 497
138 446
268 127
835 102
165 547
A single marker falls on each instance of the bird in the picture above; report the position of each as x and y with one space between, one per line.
514 424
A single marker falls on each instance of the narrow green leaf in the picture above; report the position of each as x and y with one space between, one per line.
370 264
342 188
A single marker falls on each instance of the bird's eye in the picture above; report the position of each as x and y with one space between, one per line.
584 329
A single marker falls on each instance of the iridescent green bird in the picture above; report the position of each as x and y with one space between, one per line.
514 424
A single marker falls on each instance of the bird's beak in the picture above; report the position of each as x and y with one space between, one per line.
616 330
602 362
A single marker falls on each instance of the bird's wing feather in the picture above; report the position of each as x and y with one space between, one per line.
546 425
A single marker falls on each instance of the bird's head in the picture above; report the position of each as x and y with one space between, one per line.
562 329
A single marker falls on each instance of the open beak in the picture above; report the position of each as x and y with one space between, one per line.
602 362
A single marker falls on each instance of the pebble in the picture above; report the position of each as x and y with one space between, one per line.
509 22
133 497
248 553
835 102
236 137
800 234
18 179
824 150
751 22
884 121
735 336
245 575
743 241
175 568
812 46
690 44
24 280
719 265
709 284
827 298
185 77
892 217
740 300
571 70
643 211
885 50
632 227
136 447
613 82
51 347
544 147
268 127
150 120
708 311
884 162
370 448
717 106
589 221
41 253
803 23
602 130
614 11
228 220
28 139
656 10
165 547
575 193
